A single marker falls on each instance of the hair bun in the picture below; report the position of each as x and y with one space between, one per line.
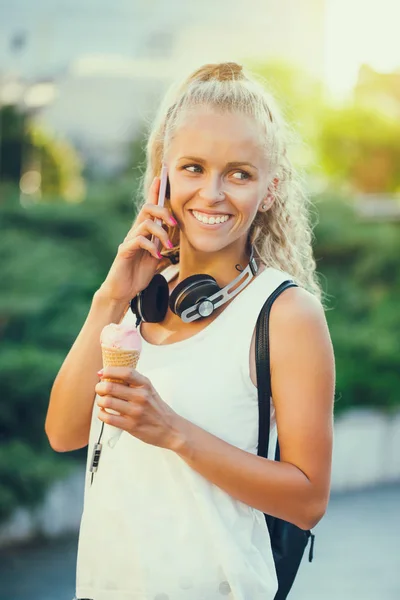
229 71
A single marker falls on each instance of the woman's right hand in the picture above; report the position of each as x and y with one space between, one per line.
137 258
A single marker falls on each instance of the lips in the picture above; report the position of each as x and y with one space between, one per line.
210 213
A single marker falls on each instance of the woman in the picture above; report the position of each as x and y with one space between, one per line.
175 510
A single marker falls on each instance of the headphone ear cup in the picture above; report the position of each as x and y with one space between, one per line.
191 291
151 304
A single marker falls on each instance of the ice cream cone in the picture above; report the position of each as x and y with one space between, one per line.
118 357
124 352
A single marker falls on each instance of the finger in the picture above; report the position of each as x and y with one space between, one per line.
149 227
121 422
131 377
152 199
122 407
129 247
123 392
163 217
161 213
154 190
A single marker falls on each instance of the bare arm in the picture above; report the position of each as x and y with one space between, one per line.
302 374
71 401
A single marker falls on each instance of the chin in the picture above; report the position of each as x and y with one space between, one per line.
207 245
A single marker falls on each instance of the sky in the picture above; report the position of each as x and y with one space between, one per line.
357 32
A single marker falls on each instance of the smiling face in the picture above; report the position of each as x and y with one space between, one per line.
218 173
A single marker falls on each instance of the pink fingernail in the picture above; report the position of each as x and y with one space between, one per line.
99 373
172 220
170 244
159 255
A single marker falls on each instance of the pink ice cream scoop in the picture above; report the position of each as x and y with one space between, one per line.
121 337
121 346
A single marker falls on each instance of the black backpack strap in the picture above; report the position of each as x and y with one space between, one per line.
263 371
288 541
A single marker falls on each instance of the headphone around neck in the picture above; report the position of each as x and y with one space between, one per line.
196 297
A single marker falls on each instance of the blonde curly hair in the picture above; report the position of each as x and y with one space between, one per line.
281 236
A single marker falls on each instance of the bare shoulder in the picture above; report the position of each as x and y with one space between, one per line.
296 307
297 317
298 327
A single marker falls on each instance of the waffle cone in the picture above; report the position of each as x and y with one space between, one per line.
116 357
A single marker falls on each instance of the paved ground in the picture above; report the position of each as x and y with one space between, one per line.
357 550
357 556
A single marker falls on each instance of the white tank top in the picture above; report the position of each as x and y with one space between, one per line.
153 528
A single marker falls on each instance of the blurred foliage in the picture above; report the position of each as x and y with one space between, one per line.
298 94
360 146
27 147
12 141
300 97
59 165
353 146
359 264
379 90
136 154
53 257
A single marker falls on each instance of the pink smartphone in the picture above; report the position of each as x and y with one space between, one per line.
161 198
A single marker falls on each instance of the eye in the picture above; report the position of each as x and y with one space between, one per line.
196 168
244 174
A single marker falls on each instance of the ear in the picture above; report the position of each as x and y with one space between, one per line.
266 204
273 186
270 197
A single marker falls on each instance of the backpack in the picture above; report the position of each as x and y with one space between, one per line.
288 541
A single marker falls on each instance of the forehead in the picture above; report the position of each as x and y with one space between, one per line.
207 133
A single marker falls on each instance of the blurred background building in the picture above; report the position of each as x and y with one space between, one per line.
108 61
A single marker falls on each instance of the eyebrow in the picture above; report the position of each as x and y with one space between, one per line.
233 164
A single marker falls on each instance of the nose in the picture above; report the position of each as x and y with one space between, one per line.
211 190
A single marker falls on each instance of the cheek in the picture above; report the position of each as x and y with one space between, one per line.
182 188
247 202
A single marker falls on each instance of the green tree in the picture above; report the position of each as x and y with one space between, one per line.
58 164
301 98
53 256
12 141
359 263
354 147
359 149
26 147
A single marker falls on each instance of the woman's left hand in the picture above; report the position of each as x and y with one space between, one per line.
143 413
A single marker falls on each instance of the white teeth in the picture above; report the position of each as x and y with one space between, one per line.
210 220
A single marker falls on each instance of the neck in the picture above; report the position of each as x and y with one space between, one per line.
220 265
